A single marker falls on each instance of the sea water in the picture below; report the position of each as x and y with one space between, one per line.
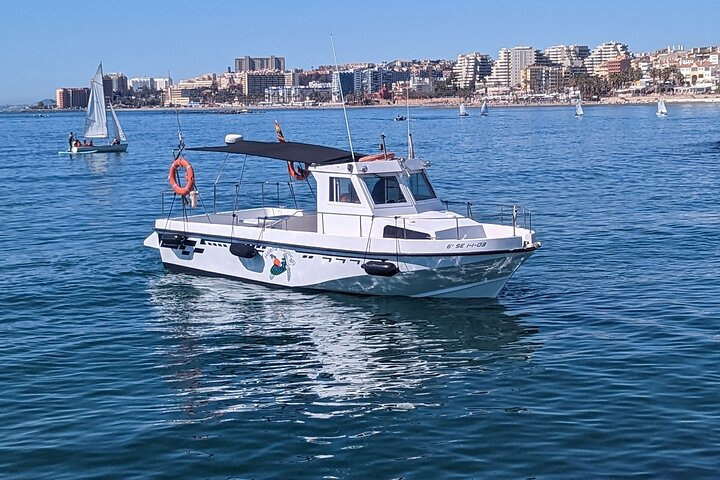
599 359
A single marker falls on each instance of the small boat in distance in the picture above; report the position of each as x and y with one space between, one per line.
96 122
661 108
484 108
400 118
578 108
463 111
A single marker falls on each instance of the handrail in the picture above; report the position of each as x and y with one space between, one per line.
521 216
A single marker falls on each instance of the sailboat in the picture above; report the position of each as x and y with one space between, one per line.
578 108
661 108
96 122
484 108
463 112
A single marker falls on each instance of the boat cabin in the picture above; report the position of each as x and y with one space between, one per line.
357 195
373 190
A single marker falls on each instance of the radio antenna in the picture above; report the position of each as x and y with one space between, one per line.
342 98
181 142
411 147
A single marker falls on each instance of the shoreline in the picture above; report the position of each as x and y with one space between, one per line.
445 102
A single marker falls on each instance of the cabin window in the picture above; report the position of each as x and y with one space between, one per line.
420 187
342 190
384 189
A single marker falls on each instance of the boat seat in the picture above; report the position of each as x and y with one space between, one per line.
274 221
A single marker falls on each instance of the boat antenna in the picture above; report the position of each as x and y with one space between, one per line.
411 147
181 142
342 98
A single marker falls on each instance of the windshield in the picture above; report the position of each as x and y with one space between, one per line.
384 189
420 187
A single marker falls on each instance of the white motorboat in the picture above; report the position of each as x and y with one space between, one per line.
376 227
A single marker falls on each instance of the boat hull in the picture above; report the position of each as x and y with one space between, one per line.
122 147
476 275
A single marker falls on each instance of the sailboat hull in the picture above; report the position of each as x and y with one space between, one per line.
101 149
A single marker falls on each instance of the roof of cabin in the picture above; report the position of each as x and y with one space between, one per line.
288 151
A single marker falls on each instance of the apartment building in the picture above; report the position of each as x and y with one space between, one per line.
570 57
508 67
254 64
72 97
542 79
471 68
603 53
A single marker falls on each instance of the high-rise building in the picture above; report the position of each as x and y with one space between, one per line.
566 55
604 52
138 83
344 80
541 79
119 83
252 64
72 97
471 68
255 83
161 83
510 62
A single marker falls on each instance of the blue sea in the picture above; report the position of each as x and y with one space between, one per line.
600 359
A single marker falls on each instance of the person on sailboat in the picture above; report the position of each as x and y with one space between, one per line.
71 140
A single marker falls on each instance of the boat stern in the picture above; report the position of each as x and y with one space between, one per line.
152 241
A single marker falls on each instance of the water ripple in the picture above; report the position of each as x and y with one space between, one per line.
599 359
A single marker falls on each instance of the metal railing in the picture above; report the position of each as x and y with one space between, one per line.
272 194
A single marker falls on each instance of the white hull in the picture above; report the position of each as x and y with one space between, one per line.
101 149
471 275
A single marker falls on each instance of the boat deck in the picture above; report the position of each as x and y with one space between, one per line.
294 220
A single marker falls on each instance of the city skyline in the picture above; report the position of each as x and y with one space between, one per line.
50 48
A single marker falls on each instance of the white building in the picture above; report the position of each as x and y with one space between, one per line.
699 73
570 57
471 68
510 62
161 83
138 83
298 95
151 83
604 52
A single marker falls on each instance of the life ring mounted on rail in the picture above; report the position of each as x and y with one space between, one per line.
377 156
298 172
189 177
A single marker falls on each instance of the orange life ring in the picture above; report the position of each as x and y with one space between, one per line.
189 177
298 173
377 156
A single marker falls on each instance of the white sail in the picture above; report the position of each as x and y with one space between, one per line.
119 134
463 111
483 108
661 108
578 108
95 116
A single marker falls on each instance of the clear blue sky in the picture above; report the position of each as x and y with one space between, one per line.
49 44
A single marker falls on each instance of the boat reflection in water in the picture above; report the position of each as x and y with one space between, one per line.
231 349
